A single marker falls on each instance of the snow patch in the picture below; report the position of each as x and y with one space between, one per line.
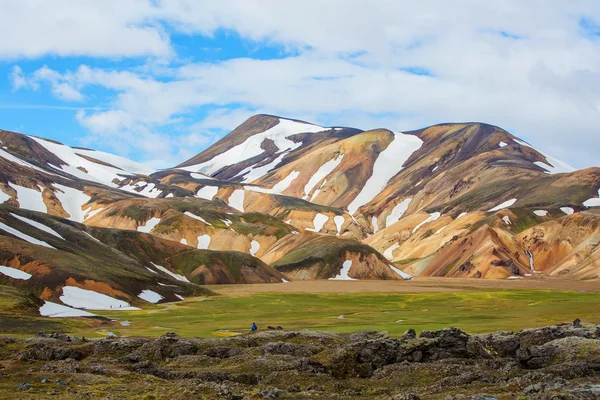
567 210
323 171
541 213
375 224
149 225
150 296
431 218
253 173
530 255
17 160
339 221
203 242
30 199
201 176
397 212
318 222
593 202
502 144
207 192
24 236
38 225
440 230
515 277
183 241
284 281
54 310
14 273
236 200
504 205
506 220
389 252
343 275
90 300
461 215
90 214
388 164
254 247
3 197
179 297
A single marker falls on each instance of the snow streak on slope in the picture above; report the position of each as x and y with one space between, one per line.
321 173
339 221
30 199
389 252
388 164
236 200
557 167
38 225
504 205
14 273
17 160
23 236
72 200
174 275
251 147
541 213
432 217
403 274
150 224
95 172
189 214
343 275
279 187
147 189
397 212
253 173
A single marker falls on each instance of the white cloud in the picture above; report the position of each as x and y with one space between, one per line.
17 78
525 66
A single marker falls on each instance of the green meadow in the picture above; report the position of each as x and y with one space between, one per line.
474 312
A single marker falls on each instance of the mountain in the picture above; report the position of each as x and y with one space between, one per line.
280 199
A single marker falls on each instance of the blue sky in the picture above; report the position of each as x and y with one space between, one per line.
160 80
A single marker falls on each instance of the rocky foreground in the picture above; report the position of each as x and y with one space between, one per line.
555 362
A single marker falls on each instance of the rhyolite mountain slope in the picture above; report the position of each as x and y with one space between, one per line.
280 199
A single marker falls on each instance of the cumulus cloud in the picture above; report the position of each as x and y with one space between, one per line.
530 67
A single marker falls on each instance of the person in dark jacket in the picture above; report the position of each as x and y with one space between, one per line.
254 327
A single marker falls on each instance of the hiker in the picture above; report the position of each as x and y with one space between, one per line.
68 338
254 327
83 339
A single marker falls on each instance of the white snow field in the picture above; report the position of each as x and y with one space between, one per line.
24 236
95 172
174 275
38 225
201 176
203 242
343 275
55 310
339 222
323 171
403 274
147 189
14 273
189 214
150 296
253 172
72 201
557 167
541 213
236 200
397 212
593 202
17 160
567 210
254 247
3 197
150 224
504 205
90 300
251 147
431 218
318 222
30 199
207 192
388 164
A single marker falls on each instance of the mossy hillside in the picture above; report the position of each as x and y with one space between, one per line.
326 251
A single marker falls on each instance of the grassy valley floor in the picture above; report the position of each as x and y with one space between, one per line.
475 306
